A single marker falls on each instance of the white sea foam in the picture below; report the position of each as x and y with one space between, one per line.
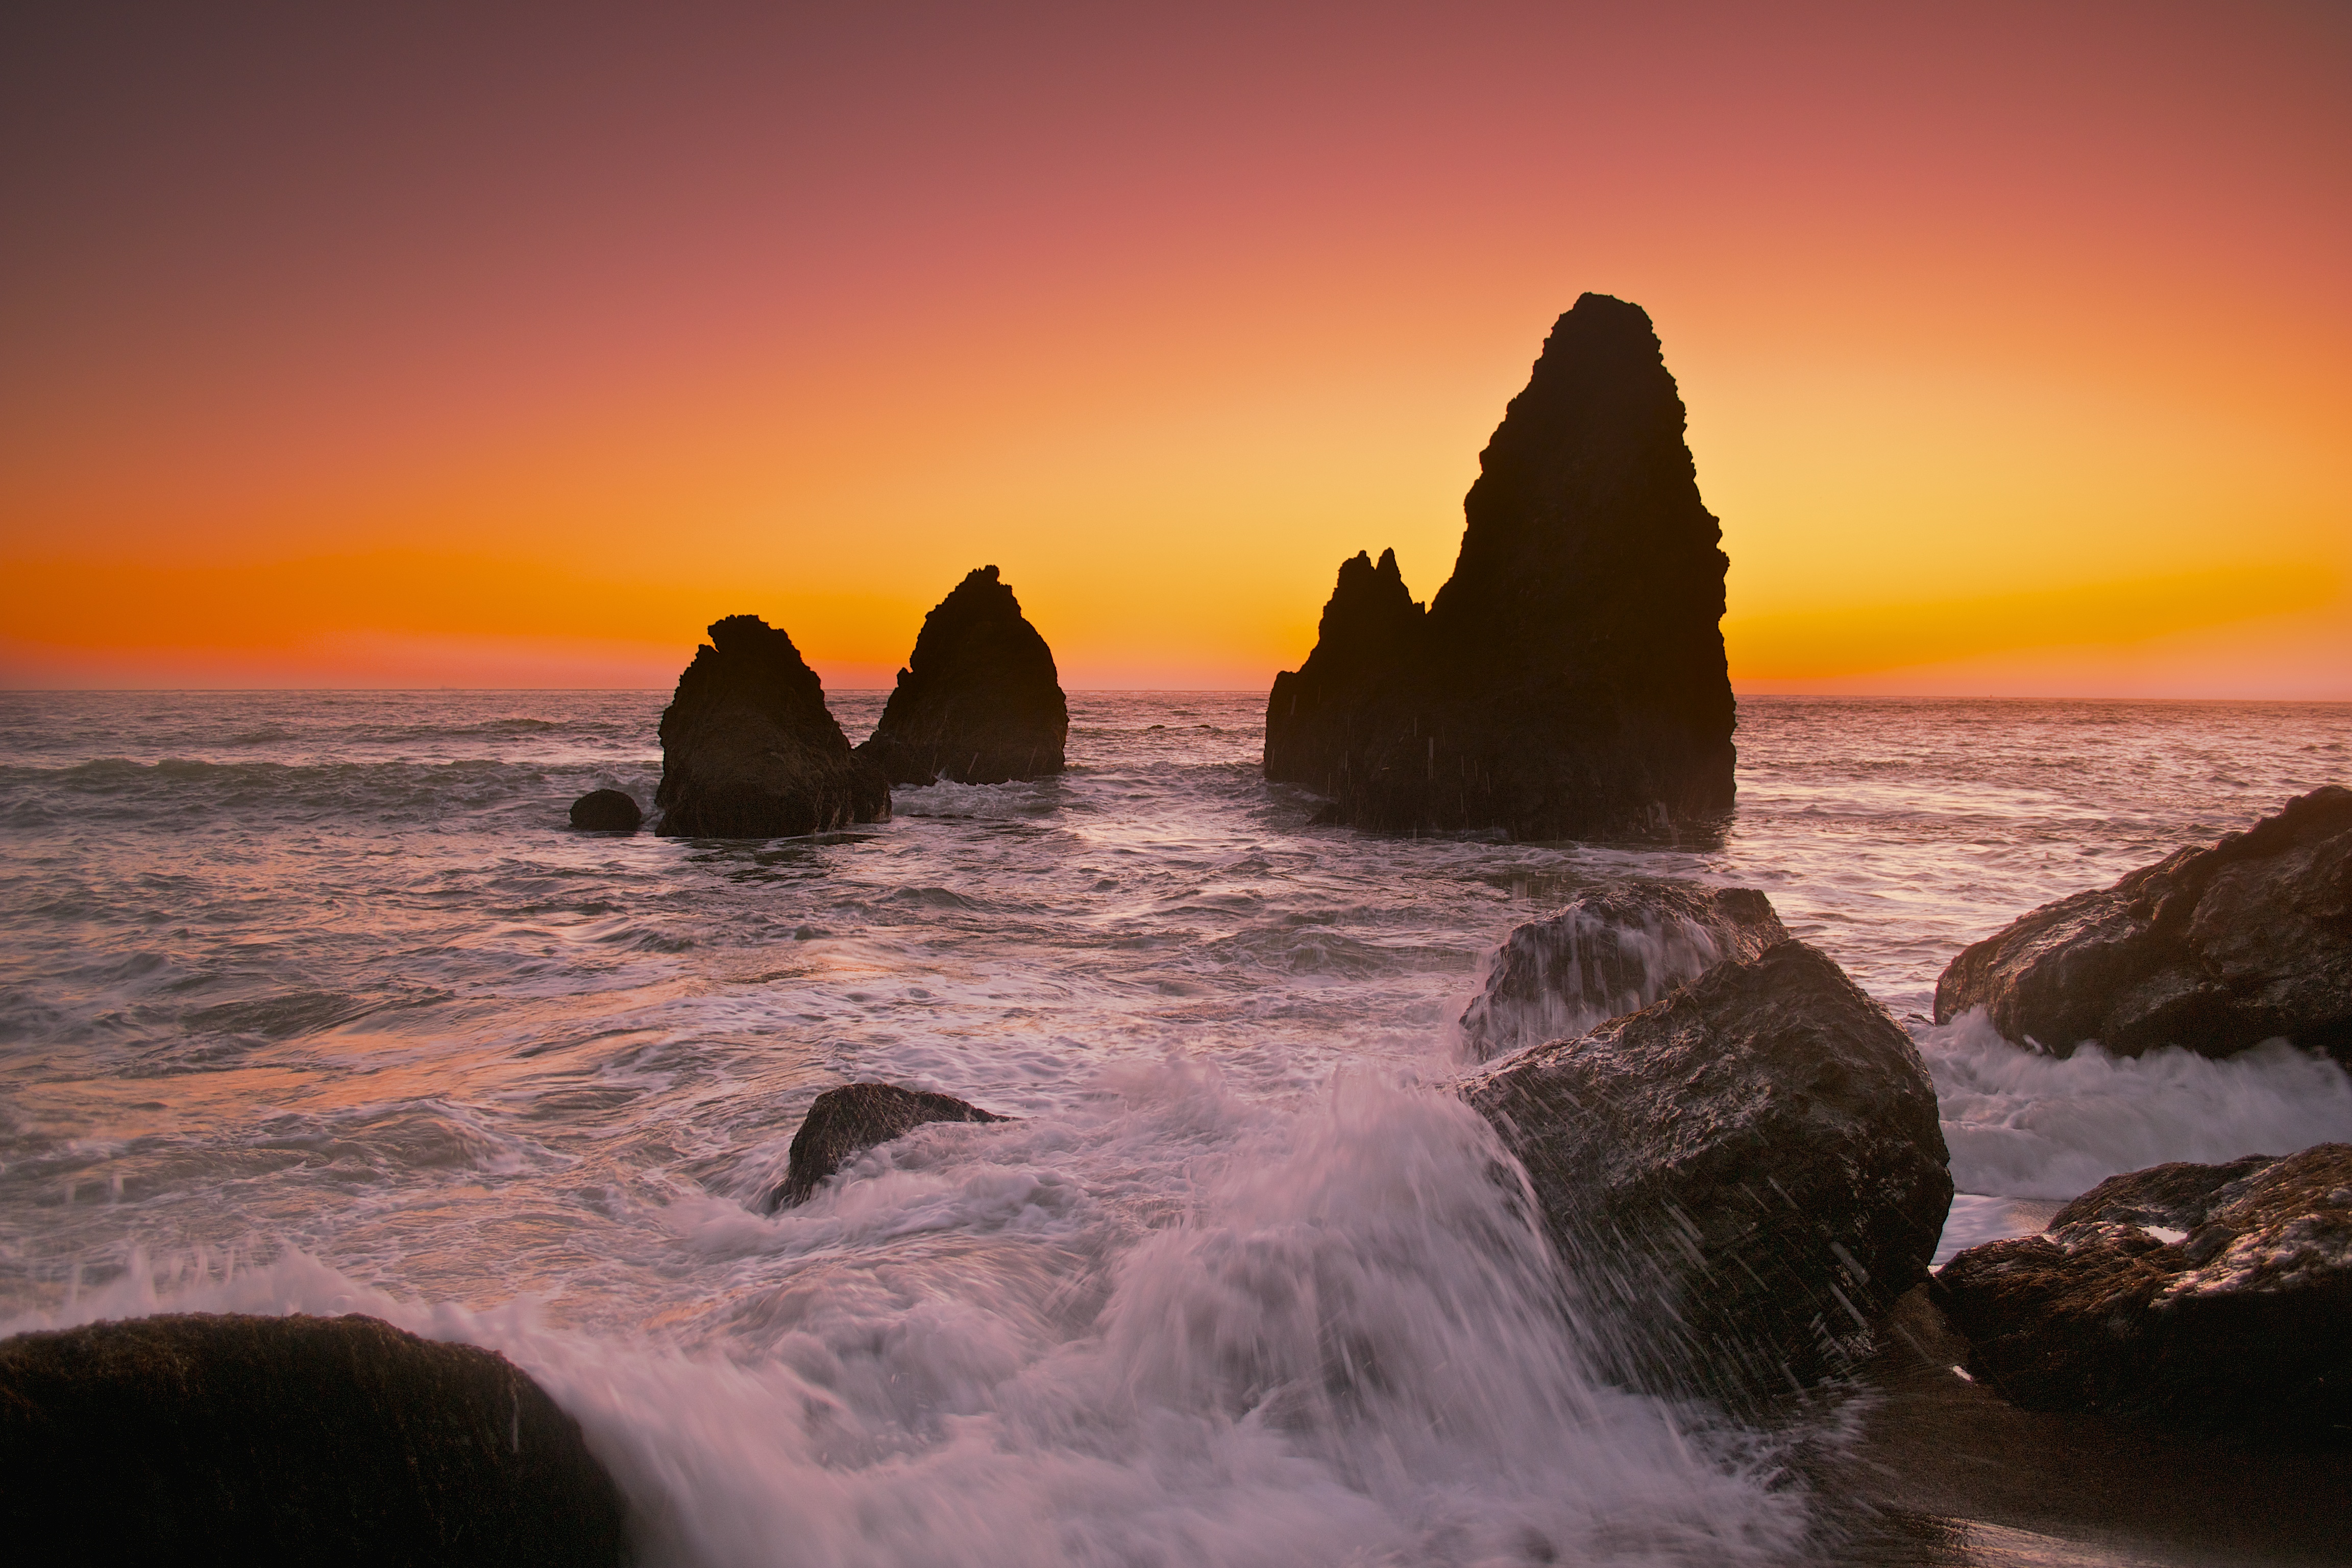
2023 1125
1344 1348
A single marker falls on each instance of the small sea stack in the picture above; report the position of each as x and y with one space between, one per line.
295 1439
750 750
2216 947
607 811
843 1124
979 700
1568 680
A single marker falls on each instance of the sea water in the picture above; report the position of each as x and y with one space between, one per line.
311 1002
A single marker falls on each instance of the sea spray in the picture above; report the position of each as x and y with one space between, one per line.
1347 1345
2027 1125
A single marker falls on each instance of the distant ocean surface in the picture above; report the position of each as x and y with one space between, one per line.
311 1001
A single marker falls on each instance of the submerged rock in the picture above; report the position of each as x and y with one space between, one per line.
1740 1178
2214 947
607 811
750 750
1570 678
845 1122
291 1439
2216 1295
979 701
1613 950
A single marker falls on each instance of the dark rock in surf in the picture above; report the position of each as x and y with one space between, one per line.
750 750
1613 950
1740 1178
979 701
607 811
2215 948
2217 1296
296 1439
1570 679
845 1122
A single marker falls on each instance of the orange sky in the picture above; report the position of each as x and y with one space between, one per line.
434 349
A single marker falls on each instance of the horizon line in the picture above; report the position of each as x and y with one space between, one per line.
1110 691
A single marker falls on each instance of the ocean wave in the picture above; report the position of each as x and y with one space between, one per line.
2023 1125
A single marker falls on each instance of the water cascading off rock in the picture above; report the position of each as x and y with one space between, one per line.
1740 1179
1613 950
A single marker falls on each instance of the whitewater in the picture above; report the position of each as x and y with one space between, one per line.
311 1002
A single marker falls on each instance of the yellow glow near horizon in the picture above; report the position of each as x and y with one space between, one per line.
2035 394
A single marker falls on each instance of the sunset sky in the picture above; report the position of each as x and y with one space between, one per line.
504 346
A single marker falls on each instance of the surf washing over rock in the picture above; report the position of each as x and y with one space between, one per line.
1568 680
1240 1286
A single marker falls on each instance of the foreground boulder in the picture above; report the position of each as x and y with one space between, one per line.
1613 950
979 701
1568 680
2220 1296
296 1439
845 1122
607 811
1739 1178
750 750
2216 949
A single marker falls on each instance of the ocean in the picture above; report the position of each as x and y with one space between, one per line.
312 1002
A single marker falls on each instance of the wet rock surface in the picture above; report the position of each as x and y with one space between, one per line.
843 1124
1613 950
750 750
607 811
1739 1178
2214 947
979 700
1931 1465
291 1439
2217 1296
1568 680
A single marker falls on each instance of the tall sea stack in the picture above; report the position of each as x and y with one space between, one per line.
1570 679
750 750
979 701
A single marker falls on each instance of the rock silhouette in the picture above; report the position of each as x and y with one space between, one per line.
2214 1295
1740 1177
2215 948
979 701
750 750
1570 678
1613 950
607 811
293 1440
843 1124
